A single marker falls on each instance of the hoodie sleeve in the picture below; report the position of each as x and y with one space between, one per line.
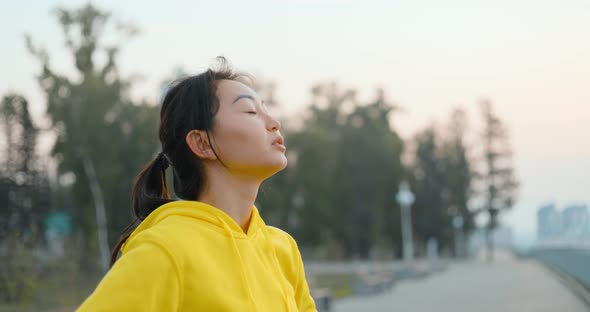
305 302
145 278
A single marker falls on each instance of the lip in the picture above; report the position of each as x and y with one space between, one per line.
279 140
281 147
280 143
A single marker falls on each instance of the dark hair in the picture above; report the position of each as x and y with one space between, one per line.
189 104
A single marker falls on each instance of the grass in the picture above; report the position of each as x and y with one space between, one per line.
56 293
340 284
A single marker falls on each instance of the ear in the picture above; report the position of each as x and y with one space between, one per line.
199 144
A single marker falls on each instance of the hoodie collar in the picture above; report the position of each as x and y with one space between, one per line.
206 213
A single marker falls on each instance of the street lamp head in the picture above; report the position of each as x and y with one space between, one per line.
405 197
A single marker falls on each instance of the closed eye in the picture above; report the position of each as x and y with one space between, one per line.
253 113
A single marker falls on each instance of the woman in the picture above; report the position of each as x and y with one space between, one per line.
210 251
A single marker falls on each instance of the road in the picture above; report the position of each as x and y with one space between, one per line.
508 284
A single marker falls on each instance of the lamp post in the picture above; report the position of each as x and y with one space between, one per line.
405 199
459 238
458 222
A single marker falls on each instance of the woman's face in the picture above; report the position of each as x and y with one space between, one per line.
245 136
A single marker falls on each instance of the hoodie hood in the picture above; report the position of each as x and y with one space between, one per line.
191 256
220 221
211 215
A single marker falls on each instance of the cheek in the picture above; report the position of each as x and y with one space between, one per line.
240 136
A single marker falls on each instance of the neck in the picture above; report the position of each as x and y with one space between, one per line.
234 195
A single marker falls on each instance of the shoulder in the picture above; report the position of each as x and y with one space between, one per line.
282 238
166 231
284 244
173 235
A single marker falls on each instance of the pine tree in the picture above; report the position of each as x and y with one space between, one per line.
498 180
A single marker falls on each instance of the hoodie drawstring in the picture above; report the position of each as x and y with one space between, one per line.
276 269
245 285
276 266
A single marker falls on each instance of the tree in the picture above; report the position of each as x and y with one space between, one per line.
459 177
443 182
498 180
344 165
371 153
430 217
25 197
102 137
24 187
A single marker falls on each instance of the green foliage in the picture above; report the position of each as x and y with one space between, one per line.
339 284
24 186
442 178
498 177
93 118
339 187
19 273
429 212
499 183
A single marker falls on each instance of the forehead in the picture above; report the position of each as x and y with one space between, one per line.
228 90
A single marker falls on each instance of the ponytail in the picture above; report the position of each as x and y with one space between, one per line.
150 191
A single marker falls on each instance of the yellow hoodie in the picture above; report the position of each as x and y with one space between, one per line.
190 256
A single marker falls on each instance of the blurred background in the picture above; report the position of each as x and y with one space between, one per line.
439 152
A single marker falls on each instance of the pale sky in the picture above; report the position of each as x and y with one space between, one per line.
531 57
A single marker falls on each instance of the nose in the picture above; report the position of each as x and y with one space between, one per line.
273 124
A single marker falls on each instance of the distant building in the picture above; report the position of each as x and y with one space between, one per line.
549 223
576 221
569 226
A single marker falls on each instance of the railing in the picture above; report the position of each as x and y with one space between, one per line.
572 263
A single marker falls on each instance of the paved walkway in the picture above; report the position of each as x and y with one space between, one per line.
507 285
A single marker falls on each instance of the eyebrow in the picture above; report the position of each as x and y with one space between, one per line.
246 96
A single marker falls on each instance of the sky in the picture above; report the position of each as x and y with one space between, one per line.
530 57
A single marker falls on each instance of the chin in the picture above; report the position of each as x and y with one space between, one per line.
284 162
276 167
